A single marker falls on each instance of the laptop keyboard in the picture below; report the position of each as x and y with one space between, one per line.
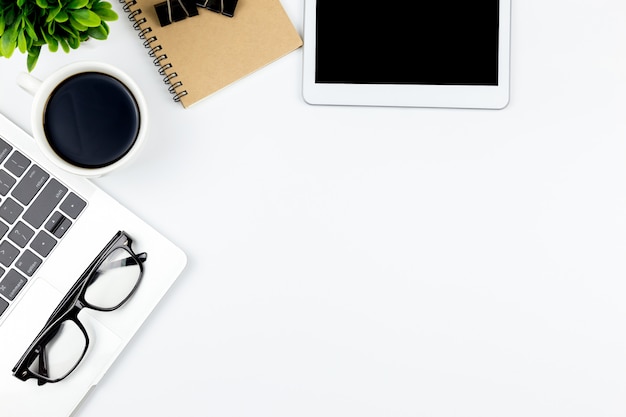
36 210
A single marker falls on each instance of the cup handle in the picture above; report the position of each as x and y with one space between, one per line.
28 83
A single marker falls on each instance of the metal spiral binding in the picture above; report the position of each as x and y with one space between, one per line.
168 78
143 32
134 15
127 4
148 41
164 68
153 51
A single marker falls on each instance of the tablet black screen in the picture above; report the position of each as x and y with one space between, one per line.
452 42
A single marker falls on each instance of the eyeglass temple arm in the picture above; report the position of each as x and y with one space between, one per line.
143 257
120 263
43 365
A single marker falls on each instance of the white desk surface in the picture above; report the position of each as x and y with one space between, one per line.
379 262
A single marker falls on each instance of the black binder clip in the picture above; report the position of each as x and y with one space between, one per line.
175 10
225 7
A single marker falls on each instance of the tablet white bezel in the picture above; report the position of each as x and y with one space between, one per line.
450 96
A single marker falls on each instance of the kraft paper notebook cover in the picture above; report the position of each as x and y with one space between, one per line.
201 54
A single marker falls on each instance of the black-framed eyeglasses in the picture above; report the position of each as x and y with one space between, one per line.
107 283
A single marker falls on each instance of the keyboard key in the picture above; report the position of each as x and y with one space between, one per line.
73 205
62 227
10 210
21 234
12 284
8 253
5 149
3 229
3 306
53 221
44 203
30 185
58 224
17 164
6 182
28 263
43 243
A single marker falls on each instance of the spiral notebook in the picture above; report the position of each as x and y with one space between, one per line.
202 54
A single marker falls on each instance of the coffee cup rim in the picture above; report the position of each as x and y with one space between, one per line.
51 82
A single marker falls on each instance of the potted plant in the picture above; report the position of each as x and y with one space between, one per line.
27 25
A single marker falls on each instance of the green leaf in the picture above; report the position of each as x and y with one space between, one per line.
21 41
86 17
77 4
2 24
102 5
20 3
73 42
8 41
98 33
64 45
31 59
70 30
53 44
42 3
77 25
9 16
106 14
62 17
53 14
30 29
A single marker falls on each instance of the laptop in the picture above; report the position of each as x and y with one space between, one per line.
53 226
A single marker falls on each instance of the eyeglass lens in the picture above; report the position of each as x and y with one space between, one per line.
62 352
114 280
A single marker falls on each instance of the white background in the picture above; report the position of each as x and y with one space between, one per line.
380 262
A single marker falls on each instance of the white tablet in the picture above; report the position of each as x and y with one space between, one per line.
411 53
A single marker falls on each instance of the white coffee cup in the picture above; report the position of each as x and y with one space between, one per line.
66 112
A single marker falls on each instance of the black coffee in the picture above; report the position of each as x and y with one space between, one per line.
91 120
